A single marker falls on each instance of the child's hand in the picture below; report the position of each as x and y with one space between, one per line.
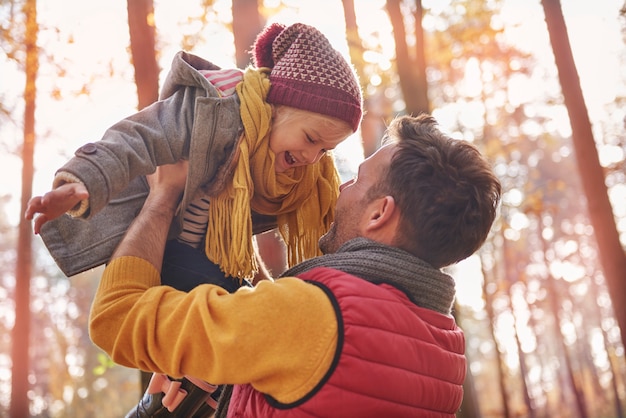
55 203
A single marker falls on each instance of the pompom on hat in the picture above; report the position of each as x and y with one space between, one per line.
308 73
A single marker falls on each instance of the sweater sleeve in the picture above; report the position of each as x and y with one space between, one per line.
280 336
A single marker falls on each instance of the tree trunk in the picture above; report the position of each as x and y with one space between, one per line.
491 314
416 100
355 46
610 251
470 406
373 123
521 356
614 368
420 61
142 46
247 23
21 330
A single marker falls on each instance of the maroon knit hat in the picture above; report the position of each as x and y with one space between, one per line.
308 73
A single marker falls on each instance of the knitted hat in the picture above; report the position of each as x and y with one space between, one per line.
308 73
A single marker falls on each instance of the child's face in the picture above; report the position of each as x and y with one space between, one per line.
300 138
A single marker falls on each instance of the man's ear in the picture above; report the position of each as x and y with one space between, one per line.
382 214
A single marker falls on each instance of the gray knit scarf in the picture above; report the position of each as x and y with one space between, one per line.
378 263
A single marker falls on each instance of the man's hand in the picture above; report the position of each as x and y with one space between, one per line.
55 203
168 182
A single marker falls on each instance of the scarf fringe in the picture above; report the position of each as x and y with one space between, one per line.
229 243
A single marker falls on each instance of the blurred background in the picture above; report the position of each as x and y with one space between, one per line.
538 85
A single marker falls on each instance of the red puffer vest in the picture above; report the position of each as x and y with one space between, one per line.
393 359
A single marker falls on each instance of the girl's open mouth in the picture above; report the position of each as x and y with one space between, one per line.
289 158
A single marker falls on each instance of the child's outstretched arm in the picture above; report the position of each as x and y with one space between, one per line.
55 203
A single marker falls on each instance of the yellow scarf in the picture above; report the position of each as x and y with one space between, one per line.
303 198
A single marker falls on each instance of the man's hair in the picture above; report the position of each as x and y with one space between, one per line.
445 189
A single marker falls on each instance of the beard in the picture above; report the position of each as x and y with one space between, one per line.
326 241
343 229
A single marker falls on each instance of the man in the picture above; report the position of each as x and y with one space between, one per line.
362 331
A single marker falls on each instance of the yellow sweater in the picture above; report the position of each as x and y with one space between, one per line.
279 336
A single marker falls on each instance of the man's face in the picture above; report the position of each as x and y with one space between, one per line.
351 211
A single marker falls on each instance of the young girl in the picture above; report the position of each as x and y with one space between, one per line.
257 147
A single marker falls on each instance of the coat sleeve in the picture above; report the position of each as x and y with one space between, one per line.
190 121
135 146
113 170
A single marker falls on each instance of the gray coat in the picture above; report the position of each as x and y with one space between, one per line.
190 121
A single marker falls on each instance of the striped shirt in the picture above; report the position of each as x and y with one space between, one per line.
196 216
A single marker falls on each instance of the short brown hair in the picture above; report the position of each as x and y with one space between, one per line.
446 191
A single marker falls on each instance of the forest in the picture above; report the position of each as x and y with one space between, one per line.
538 85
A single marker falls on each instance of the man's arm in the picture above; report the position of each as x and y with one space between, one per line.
147 234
